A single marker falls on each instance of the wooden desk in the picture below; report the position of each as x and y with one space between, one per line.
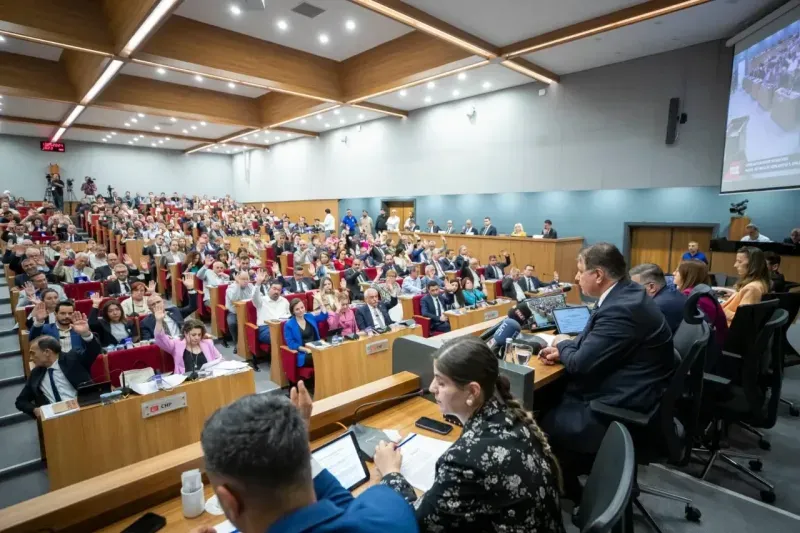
476 316
473 330
100 438
407 303
283 262
348 365
134 249
176 280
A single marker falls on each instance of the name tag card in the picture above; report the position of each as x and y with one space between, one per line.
163 405
490 315
378 346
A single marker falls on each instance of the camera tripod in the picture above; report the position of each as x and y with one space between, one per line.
48 194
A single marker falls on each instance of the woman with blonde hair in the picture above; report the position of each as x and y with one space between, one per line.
754 279
326 295
519 231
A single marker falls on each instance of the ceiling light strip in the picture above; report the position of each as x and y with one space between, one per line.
419 82
379 110
528 72
606 27
427 28
111 70
49 42
73 115
156 15
198 148
311 114
237 136
58 135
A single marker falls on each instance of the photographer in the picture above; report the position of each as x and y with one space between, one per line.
57 188
89 188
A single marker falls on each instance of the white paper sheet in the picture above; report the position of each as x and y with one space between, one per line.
225 527
419 460
149 387
546 338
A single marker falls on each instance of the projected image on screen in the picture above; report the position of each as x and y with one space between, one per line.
762 147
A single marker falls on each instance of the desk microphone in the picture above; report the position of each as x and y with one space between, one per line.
367 437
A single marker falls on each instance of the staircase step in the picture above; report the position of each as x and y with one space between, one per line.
13 380
20 444
8 397
8 344
16 417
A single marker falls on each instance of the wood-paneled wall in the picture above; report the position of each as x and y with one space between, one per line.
665 245
310 209
722 262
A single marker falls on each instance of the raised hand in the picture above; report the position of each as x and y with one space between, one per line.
343 284
144 263
40 312
127 260
40 260
188 281
275 269
555 276
80 324
158 312
30 290
261 277
96 299
151 287
209 260
302 400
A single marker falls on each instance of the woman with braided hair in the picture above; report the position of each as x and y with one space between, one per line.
500 475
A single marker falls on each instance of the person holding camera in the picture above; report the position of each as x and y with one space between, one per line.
89 188
57 188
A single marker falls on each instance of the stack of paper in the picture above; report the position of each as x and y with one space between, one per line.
149 387
419 460
54 410
224 367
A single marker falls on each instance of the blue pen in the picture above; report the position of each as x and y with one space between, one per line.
405 441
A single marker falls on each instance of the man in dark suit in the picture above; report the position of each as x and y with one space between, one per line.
374 314
30 268
793 239
444 262
531 283
281 245
469 229
549 232
72 234
433 307
488 229
62 330
495 270
120 283
297 283
377 252
391 265
432 227
412 225
58 374
624 357
354 277
173 321
512 285
157 248
651 277
462 259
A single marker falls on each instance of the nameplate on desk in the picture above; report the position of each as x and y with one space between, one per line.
163 405
377 346
489 315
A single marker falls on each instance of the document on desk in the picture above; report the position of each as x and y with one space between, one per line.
419 460
225 527
546 338
54 410
150 387
228 367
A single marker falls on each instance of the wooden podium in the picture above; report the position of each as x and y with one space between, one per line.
737 228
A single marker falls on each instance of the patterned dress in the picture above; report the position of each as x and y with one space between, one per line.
494 478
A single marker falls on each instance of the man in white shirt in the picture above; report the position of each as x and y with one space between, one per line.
273 307
512 286
329 223
412 285
753 235
213 277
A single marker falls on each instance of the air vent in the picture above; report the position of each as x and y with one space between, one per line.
308 10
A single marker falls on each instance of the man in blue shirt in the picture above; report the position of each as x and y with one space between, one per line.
350 221
694 253
260 466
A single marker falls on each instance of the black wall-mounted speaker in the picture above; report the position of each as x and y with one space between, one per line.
672 120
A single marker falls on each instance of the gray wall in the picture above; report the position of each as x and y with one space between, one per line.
23 167
599 129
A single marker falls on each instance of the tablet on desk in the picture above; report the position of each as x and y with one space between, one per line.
571 320
342 459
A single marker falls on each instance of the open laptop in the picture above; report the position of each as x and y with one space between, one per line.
571 320
89 393
542 308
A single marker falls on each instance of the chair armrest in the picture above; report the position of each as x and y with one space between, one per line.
731 355
715 380
286 349
625 416
425 323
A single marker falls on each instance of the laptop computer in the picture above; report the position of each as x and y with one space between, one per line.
571 320
89 394
333 333
542 308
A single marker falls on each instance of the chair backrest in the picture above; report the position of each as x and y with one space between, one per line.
791 302
80 291
607 494
416 303
252 313
774 373
305 297
135 358
371 272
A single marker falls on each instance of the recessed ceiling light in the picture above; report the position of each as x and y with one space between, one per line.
157 128
160 142
208 149
186 131
231 85
127 124
277 138
303 121
289 135
336 111
403 93
173 119
105 140
350 25
140 115
456 92
327 125
462 76
228 151
246 138
2 39
130 142
428 99
166 138
282 25
323 38
342 121
161 71
487 85
255 134
361 116
202 123
134 120
194 127
1 96
431 85
235 10
319 117
153 144
266 141
198 78
113 133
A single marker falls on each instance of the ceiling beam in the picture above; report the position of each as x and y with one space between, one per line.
296 131
604 23
31 77
125 17
394 64
277 109
71 24
185 42
399 113
82 70
419 20
523 66
136 94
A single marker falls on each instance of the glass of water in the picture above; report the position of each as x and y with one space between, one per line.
523 355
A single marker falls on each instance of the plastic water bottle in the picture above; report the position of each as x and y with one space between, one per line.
159 381
128 342
508 347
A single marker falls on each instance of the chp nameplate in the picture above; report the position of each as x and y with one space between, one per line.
163 405
490 315
377 346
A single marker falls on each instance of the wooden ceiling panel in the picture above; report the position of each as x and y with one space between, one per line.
35 78
73 23
125 17
132 93
395 63
82 69
278 108
188 41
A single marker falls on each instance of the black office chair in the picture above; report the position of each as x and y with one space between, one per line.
606 501
791 302
668 431
752 396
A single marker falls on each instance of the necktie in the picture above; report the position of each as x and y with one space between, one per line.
125 287
439 269
377 318
436 307
50 372
301 286
528 284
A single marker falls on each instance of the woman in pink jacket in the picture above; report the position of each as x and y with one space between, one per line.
343 318
192 351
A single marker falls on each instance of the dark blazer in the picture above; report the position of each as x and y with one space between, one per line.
292 286
378 255
52 330
446 264
491 230
465 273
76 237
469 231
114 287
364 316
489 272
460 262
552 234
287 247
351 278
417 256
429 311
415 227
102 329
151 250
75 364
671 304
434 229
148 325
508 286
395 267
21 279
623 358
